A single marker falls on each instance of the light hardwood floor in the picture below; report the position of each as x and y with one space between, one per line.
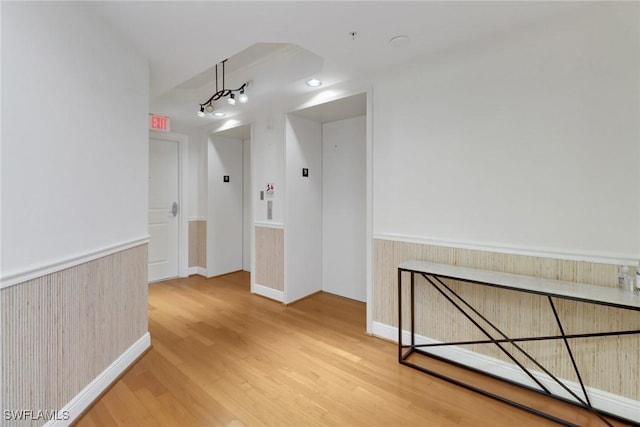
224 357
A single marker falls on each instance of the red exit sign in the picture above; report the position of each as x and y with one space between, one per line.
159 123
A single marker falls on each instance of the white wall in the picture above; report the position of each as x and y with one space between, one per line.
202 178
344 208
247 219
530 140
224 213
268 147
193 209
74 137
303 214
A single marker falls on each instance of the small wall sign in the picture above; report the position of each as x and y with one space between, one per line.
160 123
270 189
225 178
305 172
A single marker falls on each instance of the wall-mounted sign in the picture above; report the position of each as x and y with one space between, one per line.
160 123
270 189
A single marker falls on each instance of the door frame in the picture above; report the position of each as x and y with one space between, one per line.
183 230
213 225
328 96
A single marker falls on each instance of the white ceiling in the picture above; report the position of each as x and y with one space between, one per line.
340 109
278 45
240 132
343 108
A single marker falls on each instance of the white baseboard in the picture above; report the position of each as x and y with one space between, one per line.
267 292
102 382
612 403
198 270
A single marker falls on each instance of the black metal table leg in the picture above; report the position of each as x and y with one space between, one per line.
453 297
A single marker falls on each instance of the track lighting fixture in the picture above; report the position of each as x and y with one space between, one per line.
221 93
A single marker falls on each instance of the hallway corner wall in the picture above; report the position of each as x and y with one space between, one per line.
74 199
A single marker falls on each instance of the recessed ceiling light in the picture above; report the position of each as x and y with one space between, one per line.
313 83
218 114
398 41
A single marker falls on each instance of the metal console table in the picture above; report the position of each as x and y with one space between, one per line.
434 274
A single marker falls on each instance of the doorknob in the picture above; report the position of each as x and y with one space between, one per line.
174 209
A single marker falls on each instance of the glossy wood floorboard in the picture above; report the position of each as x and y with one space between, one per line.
224 357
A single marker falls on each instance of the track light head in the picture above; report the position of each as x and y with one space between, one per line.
232 99
201 112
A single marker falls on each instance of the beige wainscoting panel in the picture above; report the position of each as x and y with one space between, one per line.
609 363
198 243
270 257
60 331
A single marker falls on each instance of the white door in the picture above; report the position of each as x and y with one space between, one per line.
225 213
164 211
344 211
